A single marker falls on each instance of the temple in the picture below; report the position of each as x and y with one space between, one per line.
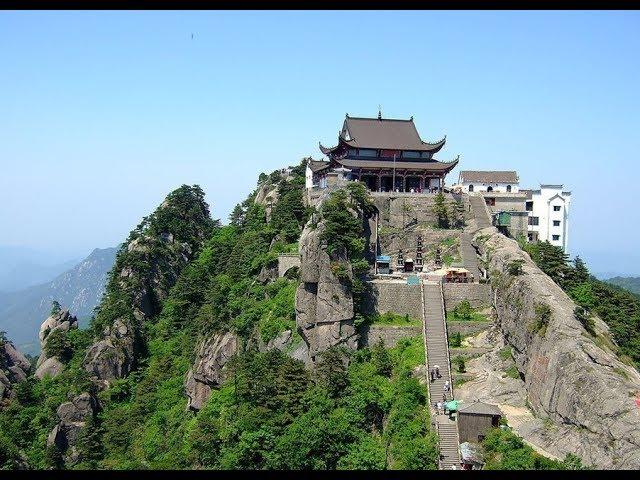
386 154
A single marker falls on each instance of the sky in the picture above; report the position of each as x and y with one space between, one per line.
102 114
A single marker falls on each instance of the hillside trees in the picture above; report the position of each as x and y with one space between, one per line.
619 309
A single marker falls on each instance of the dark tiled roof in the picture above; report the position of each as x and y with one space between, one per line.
430 166
527 192
480 408
386 133
488 176
317 165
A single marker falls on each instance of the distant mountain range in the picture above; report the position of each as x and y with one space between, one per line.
629 283
78 289
22 267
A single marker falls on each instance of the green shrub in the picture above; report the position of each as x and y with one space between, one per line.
514 267
58 345
460 364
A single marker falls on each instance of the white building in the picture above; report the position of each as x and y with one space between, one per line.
488 181
548 209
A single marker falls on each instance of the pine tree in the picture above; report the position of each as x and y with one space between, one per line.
381 359
89 444
55 307
581 272
440 210
236 218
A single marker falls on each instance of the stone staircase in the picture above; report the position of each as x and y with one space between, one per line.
469 256
480 211
437 353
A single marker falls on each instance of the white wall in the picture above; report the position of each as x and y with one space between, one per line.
308 177
482 187
544 201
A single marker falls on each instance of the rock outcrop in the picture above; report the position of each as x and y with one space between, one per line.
324 304
72 417
158 262
61 322
14 368
208 370
113 356
571 377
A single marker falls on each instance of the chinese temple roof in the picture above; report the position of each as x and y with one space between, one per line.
382 133
433 166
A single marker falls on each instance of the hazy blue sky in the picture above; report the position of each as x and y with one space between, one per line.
103 113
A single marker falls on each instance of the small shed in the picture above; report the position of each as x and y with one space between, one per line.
408 265
476 419
382 264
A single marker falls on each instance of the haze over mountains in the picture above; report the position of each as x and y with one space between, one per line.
79 289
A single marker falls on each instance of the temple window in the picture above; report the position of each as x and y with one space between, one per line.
471 188
508 188
556 208
352 151
367 152
410 154
489 189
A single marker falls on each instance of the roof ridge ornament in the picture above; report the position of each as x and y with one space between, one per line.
379 112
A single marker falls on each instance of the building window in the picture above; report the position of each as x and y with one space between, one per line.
489 189
555 237
471 188
556 208
410 154
534 221
530 237
508 188
490 201
366 152
556 223
352 152
529 206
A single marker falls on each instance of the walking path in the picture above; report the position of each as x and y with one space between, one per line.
437 353
469 256
480 211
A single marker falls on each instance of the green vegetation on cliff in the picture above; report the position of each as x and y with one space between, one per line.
618 308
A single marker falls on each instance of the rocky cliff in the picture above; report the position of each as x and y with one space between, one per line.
570 376
14 367
324 302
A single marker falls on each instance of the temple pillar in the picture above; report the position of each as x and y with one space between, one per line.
379 182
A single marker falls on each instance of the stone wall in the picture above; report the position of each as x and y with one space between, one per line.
393 296
371 334
478 294
398 209
287 261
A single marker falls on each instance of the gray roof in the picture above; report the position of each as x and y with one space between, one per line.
488 176
317 165
480 408
432 166
386 133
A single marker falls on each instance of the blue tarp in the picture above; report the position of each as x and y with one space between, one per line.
413 280
383 258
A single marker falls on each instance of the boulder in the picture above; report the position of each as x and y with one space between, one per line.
62 321
208 369
569 378
51 366
72 418
14 368
113 356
